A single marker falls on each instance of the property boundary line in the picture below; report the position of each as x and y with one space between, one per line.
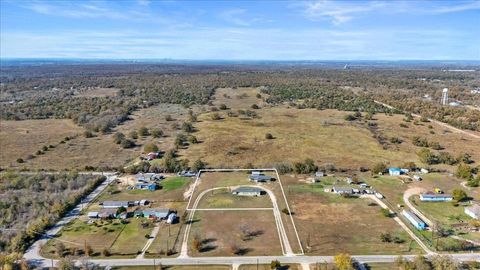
290 213
232 209
195 184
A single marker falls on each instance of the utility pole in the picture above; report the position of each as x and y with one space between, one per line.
85 248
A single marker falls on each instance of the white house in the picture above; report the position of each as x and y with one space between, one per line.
473 211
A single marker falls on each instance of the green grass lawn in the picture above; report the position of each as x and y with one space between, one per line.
132 239
443 212
224 199
172 183
120 239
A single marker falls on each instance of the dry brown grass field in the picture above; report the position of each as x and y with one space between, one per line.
298 134
335 224
18 139
323 136
220 230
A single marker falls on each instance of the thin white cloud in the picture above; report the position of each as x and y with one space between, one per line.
238 16
458 7
339 12
241 44
143 2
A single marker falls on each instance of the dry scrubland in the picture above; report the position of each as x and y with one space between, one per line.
232 141
100 151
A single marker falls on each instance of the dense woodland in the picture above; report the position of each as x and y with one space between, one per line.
30 203
37 92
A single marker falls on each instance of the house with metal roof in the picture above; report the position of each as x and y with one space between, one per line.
342 190
116 204
107 213
260 178
434 197
414 220
473 211
248 191
156 213
146 186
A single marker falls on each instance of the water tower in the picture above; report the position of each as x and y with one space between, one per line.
445 96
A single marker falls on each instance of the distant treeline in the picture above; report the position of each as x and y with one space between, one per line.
49 91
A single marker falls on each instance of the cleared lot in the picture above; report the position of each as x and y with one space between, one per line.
330 223
221 233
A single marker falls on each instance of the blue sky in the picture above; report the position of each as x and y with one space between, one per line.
241 30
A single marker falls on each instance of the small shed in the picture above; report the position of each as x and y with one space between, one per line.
319 174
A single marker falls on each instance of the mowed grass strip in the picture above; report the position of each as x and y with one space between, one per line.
132 239
225 199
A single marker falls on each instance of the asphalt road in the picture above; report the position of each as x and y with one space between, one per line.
249 260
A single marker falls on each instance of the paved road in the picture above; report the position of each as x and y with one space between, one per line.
253 260
33 252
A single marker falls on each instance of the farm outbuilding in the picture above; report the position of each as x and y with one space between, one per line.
248 191
414 220
473 211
